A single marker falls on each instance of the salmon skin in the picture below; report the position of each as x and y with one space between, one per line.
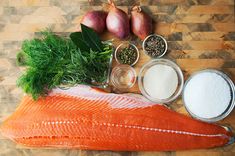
85 118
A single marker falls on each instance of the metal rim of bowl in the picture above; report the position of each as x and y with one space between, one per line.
162 39
123 66
180 78
231 105
137 51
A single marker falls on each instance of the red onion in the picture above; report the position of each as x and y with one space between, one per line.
117 22
141 23
95 20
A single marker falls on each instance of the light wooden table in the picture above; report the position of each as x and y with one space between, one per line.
200 34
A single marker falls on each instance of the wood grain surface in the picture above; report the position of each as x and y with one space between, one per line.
200 35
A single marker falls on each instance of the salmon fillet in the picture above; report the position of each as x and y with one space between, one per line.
85 118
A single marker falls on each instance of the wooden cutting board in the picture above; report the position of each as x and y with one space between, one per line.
200 35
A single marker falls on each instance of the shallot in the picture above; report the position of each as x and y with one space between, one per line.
141 23
95 20
117 22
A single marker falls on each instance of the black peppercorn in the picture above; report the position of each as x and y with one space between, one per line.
154 46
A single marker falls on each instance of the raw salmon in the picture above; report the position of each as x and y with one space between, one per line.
85 118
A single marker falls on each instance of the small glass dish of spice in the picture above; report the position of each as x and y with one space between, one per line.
127 53
123 76
154 46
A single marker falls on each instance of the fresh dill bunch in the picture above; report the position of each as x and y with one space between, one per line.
45 59
53 60
21 59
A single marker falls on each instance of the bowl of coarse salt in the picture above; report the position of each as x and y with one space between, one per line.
209 95
160 80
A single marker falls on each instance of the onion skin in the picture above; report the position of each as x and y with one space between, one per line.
95 20
118 23
141 23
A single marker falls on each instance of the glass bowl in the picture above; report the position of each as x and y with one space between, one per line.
166 46
229 108
166 62
123 76
121 47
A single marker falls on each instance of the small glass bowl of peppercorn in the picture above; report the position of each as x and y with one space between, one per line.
154 46
127 53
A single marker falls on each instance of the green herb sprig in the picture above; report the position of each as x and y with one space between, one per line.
53 60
